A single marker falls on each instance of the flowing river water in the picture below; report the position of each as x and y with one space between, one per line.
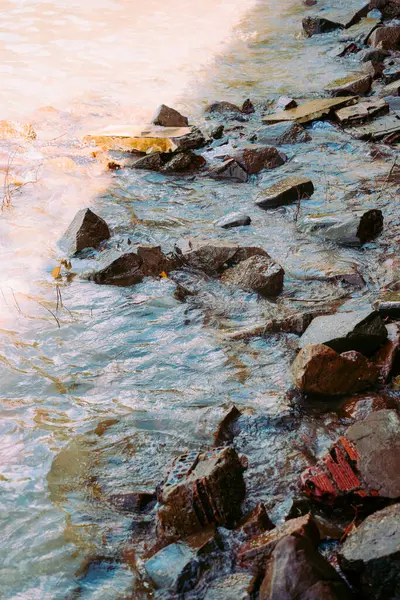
99 393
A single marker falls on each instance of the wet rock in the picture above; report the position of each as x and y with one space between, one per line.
310 2
378 129
361 31
214 257
360 406
226 427
248 107
362 463
393 89
283 133
233 220
285 103
322 371
374 69
373 55
389 305
87 230
347 229
286 191
385 38
169 117
327 529
258 274
362 111
360 330
131 268
296 571
293 323
226 109
317 25
391 74
239 586
256 158
310 111
254 555
229 169
183 161
192 140
386 356
370 557
145 139
256 522
151 162
217 132
132 502
201 489
344 50
352 85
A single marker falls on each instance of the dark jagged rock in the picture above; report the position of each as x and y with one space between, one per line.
374 69
292 323
283 133
169 117
201 489
132 502
131 268
285 103
258 274
317 25
151 162
191 141
362 464
347 229
255 522
225 431
370 557
254 555
320 370
214 257
233 220
183 161
373 54
385 358
248 107
296 571
230 169
217 132
256 158
286 191
87 230
385 38
224 108
361 330
239 586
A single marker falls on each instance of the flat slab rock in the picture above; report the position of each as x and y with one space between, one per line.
388 305
362 463
370 557
362 111
351 85
260 274
377 129
286 191
360 330
320 370
144 139
310 111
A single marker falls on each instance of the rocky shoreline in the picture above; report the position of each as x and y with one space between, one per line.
339 536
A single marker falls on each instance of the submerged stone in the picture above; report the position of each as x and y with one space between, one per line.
87 230
233 220
258 274
173 567
283 133
317 25
169 117
213 257
286 191
310 111
238 586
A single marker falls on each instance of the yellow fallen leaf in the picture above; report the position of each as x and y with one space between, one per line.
164 275
56 272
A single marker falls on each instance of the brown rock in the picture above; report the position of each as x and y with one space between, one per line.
374 69
87 230
285 103
386 356
256 158
352 85
310 111
224 108
131 268
320 370
259 274
183 161
201 489
132 502
255 522
169 117
248 107
286 191
225 432
214 257
229 169
362 111
317 25
360 406
297 571
254 555
386 38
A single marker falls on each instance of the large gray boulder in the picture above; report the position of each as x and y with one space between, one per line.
370 556
360 330
87 230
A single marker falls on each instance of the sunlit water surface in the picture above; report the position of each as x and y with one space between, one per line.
97 394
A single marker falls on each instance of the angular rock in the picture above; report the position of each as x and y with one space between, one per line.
344 50
225 432
370 557
285 103
130 268
254 555
87 230
360 406
360 330
295 323
201 489
239 586
215 256
389 305
347 229
362 111
146 139
296 571
172 567
256 158
286 191
217 132
183 161
256 522
310 111
317 25
385 38
352 85
393 89
169 117
374 69
283 133
320 370
192 140
258 274
248 107
233 220
150 162
361 31
132 502
362 464
377 130
230 169
226 109
386 356
391 73
373 54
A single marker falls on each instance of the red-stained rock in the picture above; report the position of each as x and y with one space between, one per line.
362 463
254 555
360 406
201 489
320 370
386 356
